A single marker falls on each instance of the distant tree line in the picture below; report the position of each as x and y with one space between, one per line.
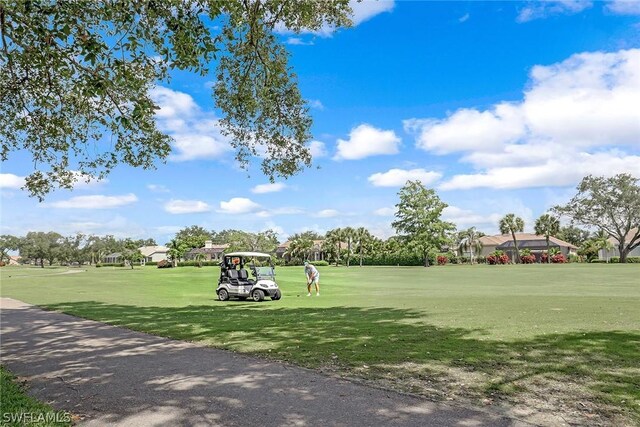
610 207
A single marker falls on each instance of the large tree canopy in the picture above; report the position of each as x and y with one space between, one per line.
610 204
75 80
418 219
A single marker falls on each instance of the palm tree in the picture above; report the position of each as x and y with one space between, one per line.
176 250
470 241
348 234
512 224
332 242
299 248
363 237
199 258
546 226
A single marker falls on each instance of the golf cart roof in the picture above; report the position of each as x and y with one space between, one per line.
249 254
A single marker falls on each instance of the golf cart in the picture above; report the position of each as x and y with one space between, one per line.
235 282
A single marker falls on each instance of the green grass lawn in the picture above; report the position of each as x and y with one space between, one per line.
18 409
562 339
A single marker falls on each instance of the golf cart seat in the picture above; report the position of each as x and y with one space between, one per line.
232 274
243 276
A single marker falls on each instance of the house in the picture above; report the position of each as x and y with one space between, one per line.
537 244
112 258
14 259
316 253
606 254
153 253
211 251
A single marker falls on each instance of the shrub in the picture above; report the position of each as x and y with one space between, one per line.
558 259
481 259
614 260
442 260
498 257
151 263
199 263
633 260
164 264
528 259
574 258
464 259
324 263
598 261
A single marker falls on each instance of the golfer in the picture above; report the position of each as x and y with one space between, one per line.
312 277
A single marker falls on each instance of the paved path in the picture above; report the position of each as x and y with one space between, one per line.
114 376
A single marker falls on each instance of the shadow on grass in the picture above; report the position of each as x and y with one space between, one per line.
596 373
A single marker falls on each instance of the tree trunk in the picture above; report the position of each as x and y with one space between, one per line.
41 262
515 246
623 253
426 259
361 255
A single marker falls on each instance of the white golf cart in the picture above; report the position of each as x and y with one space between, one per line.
235 282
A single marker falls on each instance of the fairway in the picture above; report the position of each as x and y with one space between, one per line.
547 339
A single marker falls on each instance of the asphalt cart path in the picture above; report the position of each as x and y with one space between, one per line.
113 376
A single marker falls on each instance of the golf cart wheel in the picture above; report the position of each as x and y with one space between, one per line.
277 296
257 295
223 295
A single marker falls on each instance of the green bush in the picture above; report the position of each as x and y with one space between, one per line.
574 258
598 261
319 263
198 263
630 260
151 263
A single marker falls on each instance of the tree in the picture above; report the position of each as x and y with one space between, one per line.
611 204
362 238
547 226
75 73
194 236
512 224
8 243
469 241
349 234
299 247
38 246
418 219
177 250
574 235
131 253
332 244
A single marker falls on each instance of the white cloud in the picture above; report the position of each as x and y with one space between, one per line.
9 180
316 103
279 211
385 212
157 188
94 202
468 129
542 9
327 213
398 177
362 12
317 149
464 18
238 205
297 41
177 207
465 218
624 7
196 133
268 188
365 141
577 117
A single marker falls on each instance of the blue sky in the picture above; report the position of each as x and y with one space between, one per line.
500 106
